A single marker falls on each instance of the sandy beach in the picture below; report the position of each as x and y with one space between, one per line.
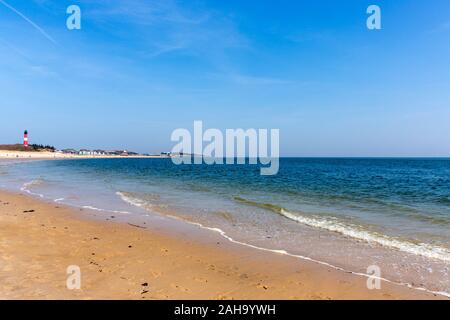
221 150
6 154
39 240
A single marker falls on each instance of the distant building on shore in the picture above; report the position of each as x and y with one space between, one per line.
85 152
98 152
69 151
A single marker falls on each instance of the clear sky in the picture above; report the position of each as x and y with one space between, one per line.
137 70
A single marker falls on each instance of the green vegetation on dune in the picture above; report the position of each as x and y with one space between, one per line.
31 147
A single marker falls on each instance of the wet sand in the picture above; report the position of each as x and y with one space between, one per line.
119 260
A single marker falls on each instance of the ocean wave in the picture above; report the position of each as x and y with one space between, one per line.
355 231
104 210
439 220
225 216
28 185
444 200
35 182
136 201
194 187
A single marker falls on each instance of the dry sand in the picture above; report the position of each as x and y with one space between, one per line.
39 240
6 154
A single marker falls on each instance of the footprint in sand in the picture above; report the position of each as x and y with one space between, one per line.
180 288
261 286
201 280
156 274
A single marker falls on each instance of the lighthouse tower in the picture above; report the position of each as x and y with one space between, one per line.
25 139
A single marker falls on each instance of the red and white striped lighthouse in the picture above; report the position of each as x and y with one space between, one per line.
25 139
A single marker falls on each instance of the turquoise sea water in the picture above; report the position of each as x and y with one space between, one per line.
349 213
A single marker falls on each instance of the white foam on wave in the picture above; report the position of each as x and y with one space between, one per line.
27 185
104 210
26 188
137 202
422 249
142 204
89 207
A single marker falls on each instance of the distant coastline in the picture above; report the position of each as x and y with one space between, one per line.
7 154
19 151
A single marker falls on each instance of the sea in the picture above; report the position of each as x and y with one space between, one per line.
351 214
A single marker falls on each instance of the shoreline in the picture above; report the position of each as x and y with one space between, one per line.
45 155
175 260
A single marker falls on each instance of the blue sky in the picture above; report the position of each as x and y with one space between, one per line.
137 70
